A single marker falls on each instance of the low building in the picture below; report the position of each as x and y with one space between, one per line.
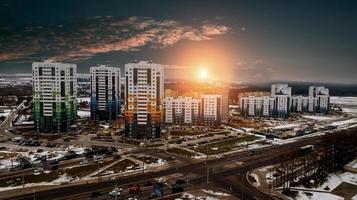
257 106
281 102
193 111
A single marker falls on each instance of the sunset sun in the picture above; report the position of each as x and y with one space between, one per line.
203 74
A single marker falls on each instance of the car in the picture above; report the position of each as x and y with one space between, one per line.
38 170
160 180
148 183
115 192
83 162
134 188
180 182
96 194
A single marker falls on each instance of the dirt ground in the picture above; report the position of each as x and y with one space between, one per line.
345 190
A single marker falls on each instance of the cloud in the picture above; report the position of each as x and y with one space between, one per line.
256 62
258 76
83 38
211 29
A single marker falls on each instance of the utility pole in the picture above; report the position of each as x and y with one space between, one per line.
207 175
242 187
34 192
207 164
23 182
143 165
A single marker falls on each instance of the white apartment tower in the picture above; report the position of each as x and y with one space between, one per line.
105 92
54 95
144 83
323 98
282 95
211 109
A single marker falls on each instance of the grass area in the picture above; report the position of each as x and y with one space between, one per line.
133 142
222 133
224 146
123 166
247 123
4 155
30 178
181 152
78 171
184 132
155 145
84 170
42 136
147 159
345 190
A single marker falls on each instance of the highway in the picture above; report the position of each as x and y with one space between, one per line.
219 175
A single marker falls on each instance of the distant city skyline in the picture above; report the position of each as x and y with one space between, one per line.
243 41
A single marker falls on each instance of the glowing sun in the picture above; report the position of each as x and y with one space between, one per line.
203 73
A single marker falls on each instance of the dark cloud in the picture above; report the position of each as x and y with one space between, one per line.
83 38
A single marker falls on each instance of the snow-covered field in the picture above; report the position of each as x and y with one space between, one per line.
344 122
83 113
83 99
333 180
286 126
319 117
317 196
349 101
5 113
349 110
347 104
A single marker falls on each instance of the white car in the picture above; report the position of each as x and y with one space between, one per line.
83 162
116 192
38 170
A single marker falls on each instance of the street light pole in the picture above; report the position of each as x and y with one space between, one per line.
143 165
34 192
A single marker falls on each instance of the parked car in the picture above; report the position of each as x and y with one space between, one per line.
115 192
83 162
134 188
96 194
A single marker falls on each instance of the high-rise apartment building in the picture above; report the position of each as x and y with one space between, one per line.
282 95
54 95
144 83
105 93
212 109
323 98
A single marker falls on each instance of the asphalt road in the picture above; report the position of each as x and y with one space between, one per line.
219 176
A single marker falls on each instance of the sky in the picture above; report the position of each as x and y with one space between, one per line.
242 41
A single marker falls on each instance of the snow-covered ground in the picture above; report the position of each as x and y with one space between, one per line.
350 101
333 180
220 194
317 196
344 122
257 182
83 113
83 99
349 110
5 113
287 125
347 104
319 117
